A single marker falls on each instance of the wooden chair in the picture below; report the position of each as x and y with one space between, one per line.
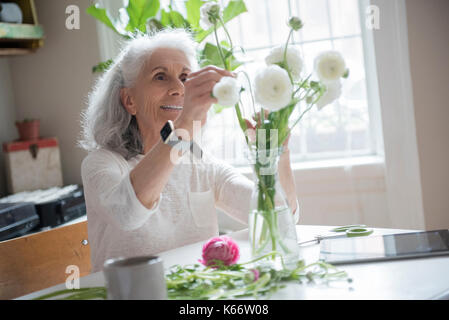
39 260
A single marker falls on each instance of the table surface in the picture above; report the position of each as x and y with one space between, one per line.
424 278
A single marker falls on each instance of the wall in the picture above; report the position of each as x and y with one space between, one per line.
8 130
428 28
53 83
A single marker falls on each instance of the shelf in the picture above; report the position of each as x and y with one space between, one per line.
24 38
13 31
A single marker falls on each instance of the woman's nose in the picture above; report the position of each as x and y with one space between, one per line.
177 89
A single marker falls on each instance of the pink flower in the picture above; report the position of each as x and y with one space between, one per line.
220 248
256 274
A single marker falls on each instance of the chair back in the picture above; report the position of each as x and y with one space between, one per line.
40 260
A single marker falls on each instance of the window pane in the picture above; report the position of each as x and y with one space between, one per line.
314 16
255 25
339 129
344 17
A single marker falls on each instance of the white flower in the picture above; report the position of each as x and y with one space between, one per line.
330 66
272 88
209 13
332 93
294 60
227 91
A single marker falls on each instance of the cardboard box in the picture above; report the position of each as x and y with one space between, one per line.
32 164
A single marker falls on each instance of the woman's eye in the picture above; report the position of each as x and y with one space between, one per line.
160 76
183 77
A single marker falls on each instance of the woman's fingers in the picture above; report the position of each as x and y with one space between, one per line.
257 117
204 77
205 87
251 131
222 72
249 124
207 99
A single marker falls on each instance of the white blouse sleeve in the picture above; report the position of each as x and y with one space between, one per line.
233 193
109 193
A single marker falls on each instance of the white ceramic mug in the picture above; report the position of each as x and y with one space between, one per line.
135 278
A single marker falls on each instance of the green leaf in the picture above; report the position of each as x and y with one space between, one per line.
225 44
139 11
154 25
101 14
177 20
234 8
165 18
211 56
102 66
173 19
193 12
219 108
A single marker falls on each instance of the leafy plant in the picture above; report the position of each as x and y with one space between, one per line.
147 16
198 282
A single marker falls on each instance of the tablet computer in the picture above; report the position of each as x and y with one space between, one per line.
385 247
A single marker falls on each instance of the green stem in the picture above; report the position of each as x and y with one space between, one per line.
250 90
300 117
227 33
219 48
285 55
302 84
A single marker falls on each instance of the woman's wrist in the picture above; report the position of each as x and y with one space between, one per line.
184 127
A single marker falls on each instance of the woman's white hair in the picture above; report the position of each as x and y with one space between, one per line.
105 122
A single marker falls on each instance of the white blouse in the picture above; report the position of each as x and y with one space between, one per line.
120 226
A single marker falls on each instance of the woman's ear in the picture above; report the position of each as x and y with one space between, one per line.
128 101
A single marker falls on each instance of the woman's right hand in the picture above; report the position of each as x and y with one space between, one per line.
198 95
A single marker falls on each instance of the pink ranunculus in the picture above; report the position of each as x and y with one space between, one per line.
256 274
220 248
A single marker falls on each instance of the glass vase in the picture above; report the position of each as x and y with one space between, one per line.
271 225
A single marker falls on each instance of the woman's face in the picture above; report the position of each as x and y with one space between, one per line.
158 94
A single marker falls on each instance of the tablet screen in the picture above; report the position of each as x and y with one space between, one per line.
386 247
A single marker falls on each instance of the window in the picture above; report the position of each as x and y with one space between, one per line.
339 130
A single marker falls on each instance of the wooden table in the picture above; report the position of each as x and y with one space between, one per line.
425 278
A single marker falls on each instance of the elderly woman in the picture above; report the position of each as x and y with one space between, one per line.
140 198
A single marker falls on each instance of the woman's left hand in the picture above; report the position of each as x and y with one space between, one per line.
253 127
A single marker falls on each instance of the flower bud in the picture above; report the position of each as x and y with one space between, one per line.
295 23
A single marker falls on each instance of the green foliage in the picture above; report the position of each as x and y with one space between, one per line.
211 56
234 8
139 11
102 15
198 282
102 66
147 16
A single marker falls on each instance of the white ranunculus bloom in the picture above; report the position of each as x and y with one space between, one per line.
332 93
330 66
206 11
293 56
272 88
227 91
